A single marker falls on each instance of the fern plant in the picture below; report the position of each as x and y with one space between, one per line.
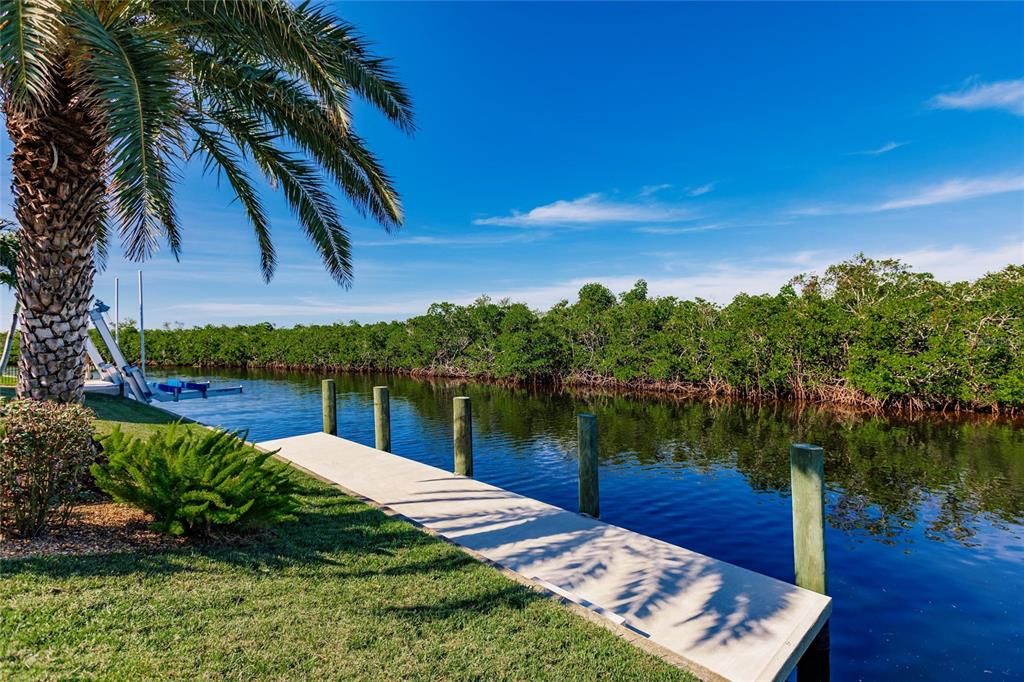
194 481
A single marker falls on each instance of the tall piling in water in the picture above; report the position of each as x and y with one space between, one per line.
329 403
807 474
586 438
463 436
382 418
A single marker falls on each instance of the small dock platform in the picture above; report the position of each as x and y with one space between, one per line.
716 619
102 386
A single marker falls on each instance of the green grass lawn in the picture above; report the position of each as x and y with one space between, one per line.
134 418
344 592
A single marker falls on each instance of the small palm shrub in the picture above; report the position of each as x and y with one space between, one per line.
45 452
194 481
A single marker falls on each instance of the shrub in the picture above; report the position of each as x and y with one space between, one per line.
864 331
45 451
195 480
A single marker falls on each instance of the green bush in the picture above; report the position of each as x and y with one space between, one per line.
868 332
194 480
45 452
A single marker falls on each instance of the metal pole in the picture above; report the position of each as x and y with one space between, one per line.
142 330
117 310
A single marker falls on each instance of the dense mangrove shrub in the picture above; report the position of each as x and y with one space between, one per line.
195 480
45 452
865 331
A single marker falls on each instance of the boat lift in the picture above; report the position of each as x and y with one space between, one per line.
122 377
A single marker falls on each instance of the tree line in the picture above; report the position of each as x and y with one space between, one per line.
866 332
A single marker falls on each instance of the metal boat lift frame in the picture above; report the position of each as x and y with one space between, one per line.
120 371
122 374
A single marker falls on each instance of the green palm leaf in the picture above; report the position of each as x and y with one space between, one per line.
29 40
221 153
263 31
303 189
128 70
280 101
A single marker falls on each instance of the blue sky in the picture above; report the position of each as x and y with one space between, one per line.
709 149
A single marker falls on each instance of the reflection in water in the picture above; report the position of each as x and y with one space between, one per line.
925 516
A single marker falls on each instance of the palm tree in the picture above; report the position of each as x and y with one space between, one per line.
105 99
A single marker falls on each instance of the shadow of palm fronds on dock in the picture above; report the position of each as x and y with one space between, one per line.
651 584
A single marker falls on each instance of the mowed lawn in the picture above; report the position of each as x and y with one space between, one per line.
344 592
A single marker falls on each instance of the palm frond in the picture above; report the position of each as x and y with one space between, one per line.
370 76
104 229
387 207
128 70
262 32
306 41
29 34
220 152
268 93
303 188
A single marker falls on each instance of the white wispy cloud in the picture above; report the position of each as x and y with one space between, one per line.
648 190
721 281
717 281
592 209
665 230
949 191
884 149
458 240
962 263
700 189
958 189
1008 95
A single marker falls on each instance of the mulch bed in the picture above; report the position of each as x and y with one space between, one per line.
94 528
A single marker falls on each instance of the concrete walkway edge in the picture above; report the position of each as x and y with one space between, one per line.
717 620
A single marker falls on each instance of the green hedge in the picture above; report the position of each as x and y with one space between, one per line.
866 331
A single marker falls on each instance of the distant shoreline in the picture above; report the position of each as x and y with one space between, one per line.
847 400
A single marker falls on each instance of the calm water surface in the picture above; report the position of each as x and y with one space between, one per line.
925 533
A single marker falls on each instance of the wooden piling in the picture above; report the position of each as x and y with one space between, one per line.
329 402
463 436
807 474
589 499
382 418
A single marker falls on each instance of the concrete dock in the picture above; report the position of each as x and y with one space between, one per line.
718 620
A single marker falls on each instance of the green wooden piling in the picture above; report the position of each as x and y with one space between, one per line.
586 427
329 401
382 418
463 437
807 473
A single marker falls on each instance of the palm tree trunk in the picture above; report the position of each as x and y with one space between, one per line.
59 193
